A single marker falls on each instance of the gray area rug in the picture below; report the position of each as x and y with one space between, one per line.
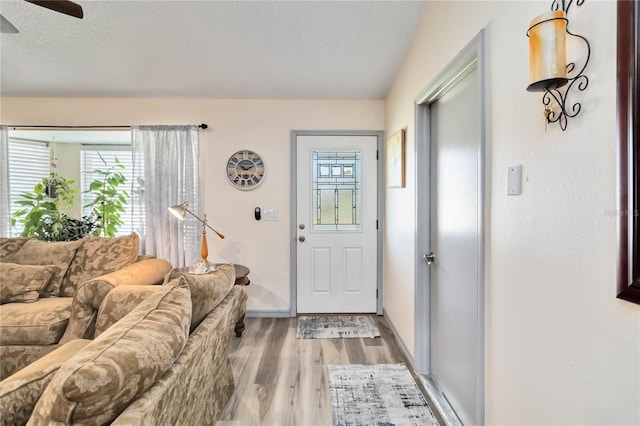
380 394
337 327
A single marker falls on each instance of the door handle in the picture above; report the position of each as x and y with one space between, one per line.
301 238
429 258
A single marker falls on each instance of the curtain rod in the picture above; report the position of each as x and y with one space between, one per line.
201 126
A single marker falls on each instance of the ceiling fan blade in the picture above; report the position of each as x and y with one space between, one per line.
7 27
63 6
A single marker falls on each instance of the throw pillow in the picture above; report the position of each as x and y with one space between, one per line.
59 254
207 290
9 246
119 302
23 283
95 385
98 256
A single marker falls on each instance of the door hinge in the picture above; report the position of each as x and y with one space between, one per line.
377 154
376 223
377 293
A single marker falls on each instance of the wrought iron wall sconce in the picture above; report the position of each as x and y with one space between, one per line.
549 71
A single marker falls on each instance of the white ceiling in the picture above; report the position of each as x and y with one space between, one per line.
207 49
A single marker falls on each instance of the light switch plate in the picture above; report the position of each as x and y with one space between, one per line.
270 214
514 180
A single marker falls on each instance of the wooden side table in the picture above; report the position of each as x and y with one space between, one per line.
242 278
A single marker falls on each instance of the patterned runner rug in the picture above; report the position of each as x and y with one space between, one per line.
337 327
381 394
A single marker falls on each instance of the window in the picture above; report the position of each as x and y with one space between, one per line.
30 154
90 160
29 162
336 191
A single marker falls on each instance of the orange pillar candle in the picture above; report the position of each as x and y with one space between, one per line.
548 51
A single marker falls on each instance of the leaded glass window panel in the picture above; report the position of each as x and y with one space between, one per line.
336 190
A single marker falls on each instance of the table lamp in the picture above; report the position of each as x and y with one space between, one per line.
180 211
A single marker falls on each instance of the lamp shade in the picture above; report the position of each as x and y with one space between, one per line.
179 210
548 51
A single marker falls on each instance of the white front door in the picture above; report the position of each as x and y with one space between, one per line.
336 215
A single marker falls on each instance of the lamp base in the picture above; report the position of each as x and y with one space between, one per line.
202 267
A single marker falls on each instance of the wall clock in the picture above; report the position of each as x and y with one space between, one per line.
245 169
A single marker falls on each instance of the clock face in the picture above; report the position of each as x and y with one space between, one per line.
245 169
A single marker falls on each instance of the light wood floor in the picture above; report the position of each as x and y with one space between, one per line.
281 380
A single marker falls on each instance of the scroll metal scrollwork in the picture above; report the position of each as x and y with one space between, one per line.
578 80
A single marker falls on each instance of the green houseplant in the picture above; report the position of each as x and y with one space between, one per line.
109 200
44 211
60 227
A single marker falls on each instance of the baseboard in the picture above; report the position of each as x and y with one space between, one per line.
400 342
268 314
439 401
442 406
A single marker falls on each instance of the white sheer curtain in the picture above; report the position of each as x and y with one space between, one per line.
5 193
165 173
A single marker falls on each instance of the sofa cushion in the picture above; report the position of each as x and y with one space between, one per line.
59 254
201 378
20 392
207 290
39 323
23 283
119 302
95 385
98 256
9 246
90 295
17 357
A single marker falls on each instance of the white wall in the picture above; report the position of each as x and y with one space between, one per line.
560 348
261 125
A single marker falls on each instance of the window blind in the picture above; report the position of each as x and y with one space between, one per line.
29 162
90 161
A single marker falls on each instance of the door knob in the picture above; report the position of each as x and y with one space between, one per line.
301 238
429 258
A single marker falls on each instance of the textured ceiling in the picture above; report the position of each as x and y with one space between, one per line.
207 49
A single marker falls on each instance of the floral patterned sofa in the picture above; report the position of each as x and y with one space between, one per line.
159 356
44 300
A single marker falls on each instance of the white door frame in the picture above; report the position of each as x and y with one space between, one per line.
294 197
471 57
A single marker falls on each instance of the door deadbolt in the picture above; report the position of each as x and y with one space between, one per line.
301 226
